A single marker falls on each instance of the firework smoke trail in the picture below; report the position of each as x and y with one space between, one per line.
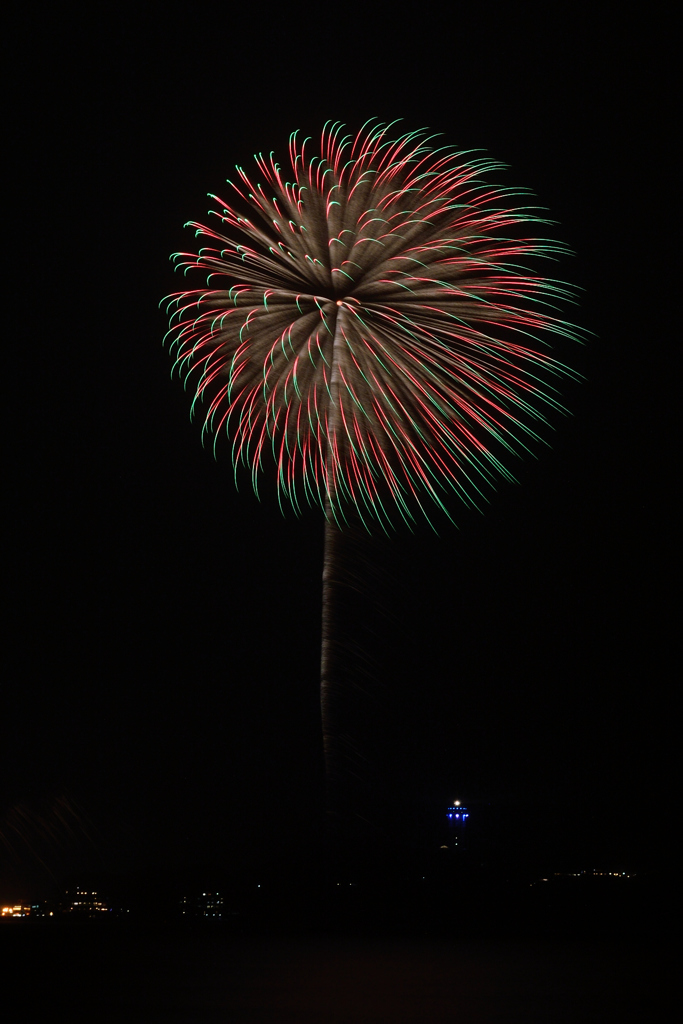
371 319
45 834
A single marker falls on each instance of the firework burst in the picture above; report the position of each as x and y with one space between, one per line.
370 320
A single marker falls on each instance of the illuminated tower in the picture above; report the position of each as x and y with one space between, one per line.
457 816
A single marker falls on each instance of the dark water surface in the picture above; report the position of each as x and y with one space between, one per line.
202 978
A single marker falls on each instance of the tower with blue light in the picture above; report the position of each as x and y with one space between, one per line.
457 817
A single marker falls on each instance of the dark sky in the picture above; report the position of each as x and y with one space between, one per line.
164 629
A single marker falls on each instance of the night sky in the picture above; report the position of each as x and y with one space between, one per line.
164 628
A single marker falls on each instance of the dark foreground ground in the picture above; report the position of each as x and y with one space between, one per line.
566 957
324 980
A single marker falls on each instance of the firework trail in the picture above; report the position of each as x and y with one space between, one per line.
47 835
370 320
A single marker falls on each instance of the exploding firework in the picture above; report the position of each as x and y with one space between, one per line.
370 320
